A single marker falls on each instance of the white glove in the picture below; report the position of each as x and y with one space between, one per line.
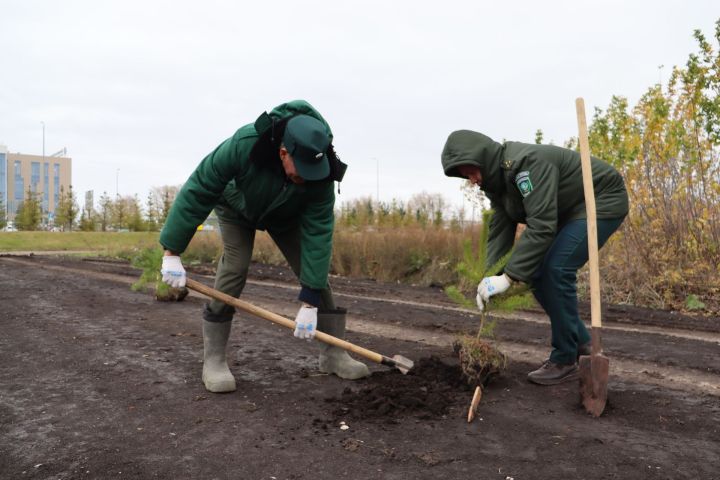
306 322
172 271
490 286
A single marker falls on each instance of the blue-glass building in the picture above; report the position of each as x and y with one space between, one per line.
43 176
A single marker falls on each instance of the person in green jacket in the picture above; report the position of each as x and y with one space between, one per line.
276 174
540 186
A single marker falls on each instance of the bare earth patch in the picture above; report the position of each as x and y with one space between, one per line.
100 382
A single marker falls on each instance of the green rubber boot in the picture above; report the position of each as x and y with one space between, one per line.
334 359
216 375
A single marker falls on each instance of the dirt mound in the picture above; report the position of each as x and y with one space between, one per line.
426 392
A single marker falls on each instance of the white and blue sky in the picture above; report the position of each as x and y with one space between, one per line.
140 91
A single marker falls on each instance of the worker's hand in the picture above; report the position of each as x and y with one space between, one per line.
172 271
490 286
306 322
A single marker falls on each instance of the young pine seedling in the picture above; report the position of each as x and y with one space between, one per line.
480 359
149 260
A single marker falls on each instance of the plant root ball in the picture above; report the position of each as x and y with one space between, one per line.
171 294
480 359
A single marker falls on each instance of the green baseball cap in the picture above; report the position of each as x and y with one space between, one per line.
307 139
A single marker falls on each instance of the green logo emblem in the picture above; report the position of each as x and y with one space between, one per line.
522 180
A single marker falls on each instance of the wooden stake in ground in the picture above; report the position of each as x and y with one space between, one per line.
594 369
474 404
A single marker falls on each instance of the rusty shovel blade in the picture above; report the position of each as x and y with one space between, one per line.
594 371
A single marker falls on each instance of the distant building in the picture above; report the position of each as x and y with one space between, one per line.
89 200
45 176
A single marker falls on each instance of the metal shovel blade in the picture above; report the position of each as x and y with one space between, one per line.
403 364
594 371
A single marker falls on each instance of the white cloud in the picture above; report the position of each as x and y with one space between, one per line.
150 87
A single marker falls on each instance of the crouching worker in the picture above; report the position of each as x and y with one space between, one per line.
276 174
540 186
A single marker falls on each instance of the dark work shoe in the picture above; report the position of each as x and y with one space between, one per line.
585 349
551 373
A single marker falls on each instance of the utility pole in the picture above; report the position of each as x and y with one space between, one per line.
117 182
43 125
43 165
377 180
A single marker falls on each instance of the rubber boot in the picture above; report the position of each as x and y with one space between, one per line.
216 375
334 359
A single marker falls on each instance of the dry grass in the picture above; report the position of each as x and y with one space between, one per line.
417 255
106 243
412 254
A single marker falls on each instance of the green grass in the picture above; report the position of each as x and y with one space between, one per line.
105 243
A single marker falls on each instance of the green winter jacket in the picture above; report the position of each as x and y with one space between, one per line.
243 180
538 185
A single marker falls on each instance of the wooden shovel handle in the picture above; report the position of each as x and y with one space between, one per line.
595 310
280 320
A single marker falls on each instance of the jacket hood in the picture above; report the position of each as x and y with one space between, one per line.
465 147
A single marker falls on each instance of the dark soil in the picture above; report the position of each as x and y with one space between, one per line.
426 392
100 382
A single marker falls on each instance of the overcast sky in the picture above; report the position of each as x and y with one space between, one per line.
150 87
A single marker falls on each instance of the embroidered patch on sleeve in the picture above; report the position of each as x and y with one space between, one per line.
522 180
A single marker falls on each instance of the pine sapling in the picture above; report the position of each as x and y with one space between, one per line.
480 359
149 260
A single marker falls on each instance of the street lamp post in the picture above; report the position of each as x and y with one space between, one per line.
43 125
377 180
43 153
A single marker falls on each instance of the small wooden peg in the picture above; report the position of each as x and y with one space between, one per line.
474 404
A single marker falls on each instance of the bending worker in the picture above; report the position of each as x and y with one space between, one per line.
540 186
276 174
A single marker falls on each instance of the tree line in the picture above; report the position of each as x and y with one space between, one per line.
667 147
111 214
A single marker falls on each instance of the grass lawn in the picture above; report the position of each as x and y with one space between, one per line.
106 243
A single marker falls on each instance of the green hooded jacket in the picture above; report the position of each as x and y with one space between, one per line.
243 180
538 185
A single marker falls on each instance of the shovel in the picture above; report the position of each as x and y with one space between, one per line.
594 368
398 361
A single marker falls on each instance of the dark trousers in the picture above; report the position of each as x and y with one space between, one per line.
555 285
233 266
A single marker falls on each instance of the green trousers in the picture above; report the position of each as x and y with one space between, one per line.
234 262
555 285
